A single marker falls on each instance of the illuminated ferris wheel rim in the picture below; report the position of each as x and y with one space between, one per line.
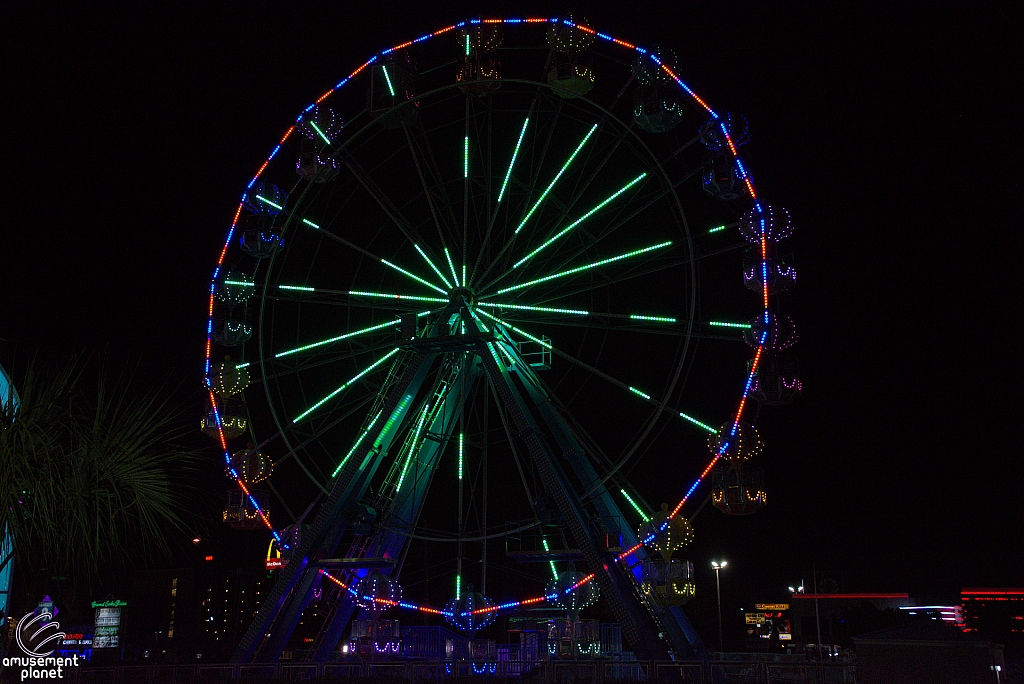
639 51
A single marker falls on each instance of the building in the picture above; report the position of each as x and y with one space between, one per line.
927 651
996 614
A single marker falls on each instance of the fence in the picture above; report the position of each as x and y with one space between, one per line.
543 672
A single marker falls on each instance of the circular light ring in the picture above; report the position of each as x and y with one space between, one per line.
641 54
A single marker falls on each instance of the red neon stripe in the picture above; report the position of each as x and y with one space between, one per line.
397 47
444 30
289 132
623 43
327 94
581 27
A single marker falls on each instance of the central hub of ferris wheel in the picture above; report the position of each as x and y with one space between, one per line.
462 294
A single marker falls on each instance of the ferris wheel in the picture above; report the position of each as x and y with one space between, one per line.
477 284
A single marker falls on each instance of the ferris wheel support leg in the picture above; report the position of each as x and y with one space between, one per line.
686 643
283 606
637 626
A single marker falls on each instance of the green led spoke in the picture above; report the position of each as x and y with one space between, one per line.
587 267
515 153
551 562
399 410
432 266
317 129
504 352
460 455
465 157
544 309
723 324
356 445
715 230
347 384
310 224
559 175
656 319
384 295
467 45
263 199
525 334
412 447
636 507
388 79
414 277
634 390
299 288
477 320
696 422
458 587
451 265
354 333
239 282
579 220
243 365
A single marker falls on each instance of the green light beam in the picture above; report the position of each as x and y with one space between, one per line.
414 277
467 45
657 319
465 157
525 334
354 333
412 447
715 230
634 390
310 224
697 422
587 267
551 562
557 176
544 309
515 153
243 365
317 129
388 79
451 265
356 445
384 295
347 384
435 269
299 288
723 324
460 455
579 220
263 199
239 282
636 507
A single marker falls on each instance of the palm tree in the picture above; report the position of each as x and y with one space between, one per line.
92 474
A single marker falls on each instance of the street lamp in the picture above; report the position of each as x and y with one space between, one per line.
718 588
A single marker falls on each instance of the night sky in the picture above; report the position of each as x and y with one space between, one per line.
130 134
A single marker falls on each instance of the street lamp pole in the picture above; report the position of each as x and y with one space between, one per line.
718 588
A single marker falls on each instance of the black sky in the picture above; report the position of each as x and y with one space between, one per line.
131 132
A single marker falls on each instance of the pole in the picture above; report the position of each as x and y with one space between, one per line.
718 590
817 615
